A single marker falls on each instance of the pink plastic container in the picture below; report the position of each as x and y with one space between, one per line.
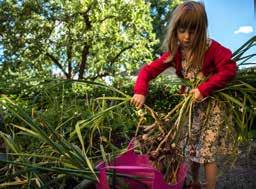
130 163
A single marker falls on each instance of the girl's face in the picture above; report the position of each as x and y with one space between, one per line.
185 37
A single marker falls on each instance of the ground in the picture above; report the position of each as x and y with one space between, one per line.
242 175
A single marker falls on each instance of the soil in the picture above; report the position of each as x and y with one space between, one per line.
242 175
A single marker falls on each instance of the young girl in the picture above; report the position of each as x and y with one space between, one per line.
193 54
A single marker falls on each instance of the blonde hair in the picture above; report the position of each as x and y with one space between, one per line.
189 15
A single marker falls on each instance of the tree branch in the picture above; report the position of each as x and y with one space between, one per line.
82 66
107 17
100 75
58 64
85 14
69 53
113 59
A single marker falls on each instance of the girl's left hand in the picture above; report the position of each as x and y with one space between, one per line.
197 94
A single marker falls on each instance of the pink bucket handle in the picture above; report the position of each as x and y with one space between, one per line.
103 175
157 180
138 168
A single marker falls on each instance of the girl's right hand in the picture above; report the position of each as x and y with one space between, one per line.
138 100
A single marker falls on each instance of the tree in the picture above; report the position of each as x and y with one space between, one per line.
160 12
86 39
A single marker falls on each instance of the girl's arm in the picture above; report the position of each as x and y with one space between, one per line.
149 72
226 71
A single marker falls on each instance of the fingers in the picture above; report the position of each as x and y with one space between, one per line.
197 95
138 101
192 91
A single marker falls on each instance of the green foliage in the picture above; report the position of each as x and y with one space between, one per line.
85 39
161 95
61 132
160 12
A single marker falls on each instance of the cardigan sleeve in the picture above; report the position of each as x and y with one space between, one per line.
149 72
225 71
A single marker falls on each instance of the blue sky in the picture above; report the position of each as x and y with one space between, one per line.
231 22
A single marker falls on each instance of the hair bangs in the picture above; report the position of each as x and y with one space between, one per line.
188 20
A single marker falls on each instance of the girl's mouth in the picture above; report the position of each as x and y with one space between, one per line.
186 44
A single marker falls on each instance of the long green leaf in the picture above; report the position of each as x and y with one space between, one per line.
80 138
84 123
9 142
232 99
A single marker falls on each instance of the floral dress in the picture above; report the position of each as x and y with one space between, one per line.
212 130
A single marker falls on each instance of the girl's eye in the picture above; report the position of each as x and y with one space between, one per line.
191 32
181 30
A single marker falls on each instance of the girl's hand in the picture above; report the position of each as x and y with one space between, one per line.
197 94
138 100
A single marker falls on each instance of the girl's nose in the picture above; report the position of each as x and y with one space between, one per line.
186 35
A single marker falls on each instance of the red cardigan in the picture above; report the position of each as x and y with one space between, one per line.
217 64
